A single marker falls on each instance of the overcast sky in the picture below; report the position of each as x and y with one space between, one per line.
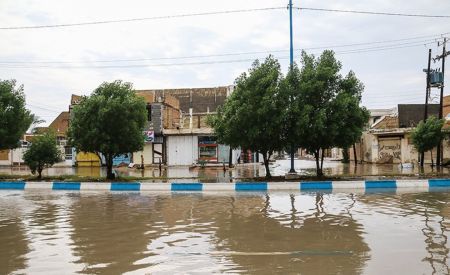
390 76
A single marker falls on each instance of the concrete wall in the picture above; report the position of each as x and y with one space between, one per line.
182 150
5 157
377 149
17 155
147 153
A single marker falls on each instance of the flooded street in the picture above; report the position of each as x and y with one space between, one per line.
259 233
250 170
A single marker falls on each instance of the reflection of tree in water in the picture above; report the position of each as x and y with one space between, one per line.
109 233
433 206
13 245
434 231
323 244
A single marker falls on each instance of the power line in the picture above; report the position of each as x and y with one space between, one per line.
360 50
374 49
214 13
40 104
375 13
434 37
42 108
140 19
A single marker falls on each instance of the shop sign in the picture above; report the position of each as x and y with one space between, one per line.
149 136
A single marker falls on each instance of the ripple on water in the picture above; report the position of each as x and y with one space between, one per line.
318 233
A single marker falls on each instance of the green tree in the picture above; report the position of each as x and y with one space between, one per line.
352 118
109 122
251 117
292 106
330 111
427 135
15 119
42 153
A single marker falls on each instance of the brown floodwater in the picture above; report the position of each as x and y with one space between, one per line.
258 233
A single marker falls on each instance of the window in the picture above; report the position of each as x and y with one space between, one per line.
68 152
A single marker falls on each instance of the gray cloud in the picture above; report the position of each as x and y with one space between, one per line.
390 77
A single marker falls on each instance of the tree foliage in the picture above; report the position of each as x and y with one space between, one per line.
293 108
42 153
327 107
251 116
110 121
428 134
15 119
314 107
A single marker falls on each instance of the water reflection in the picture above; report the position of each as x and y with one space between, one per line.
265 239
111 234
93 233
218 174
14 245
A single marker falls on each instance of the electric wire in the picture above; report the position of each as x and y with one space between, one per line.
431 38
139 19
42 108
374 12
210 62
217 13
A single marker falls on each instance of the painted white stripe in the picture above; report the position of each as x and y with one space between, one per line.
30 185
412 184
95 186
218 186
155 186
283 186
360 184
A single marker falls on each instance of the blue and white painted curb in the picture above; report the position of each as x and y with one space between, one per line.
344 186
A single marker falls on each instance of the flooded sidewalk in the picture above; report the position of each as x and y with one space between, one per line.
241 171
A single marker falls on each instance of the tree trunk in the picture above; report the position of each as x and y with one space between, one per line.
39 170
318 169
432 162
230 158
422 158
321 160
266 165
109 164
345 155
354 154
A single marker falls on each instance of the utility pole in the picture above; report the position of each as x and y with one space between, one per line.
291 50
443 56
427 92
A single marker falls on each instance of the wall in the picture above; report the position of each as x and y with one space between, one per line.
400 149
389 150
87 159
182 150
17 155
147 153
5 157
223 152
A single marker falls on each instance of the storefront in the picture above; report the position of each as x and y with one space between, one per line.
207 149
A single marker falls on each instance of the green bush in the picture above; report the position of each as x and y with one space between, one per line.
42 153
